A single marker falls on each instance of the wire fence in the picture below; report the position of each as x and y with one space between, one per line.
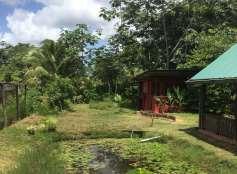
12 103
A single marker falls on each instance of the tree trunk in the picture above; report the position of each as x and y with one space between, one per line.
109 87
166 40
116 87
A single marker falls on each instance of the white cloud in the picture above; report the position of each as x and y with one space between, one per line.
26 26
23 29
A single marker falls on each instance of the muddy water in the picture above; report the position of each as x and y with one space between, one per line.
105 162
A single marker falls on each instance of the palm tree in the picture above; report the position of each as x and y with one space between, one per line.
44 62
50 60
57 60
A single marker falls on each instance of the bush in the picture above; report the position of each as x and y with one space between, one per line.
130 96
85 90
37 103
118 99
31 129
219 98
60 92
50 124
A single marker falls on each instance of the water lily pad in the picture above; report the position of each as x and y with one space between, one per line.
139 171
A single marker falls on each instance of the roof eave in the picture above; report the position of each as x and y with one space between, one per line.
212 80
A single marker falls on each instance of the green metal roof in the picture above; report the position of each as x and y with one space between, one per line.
223 68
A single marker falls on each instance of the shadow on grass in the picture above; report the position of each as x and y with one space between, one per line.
218 143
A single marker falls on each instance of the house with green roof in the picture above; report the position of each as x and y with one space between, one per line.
222 70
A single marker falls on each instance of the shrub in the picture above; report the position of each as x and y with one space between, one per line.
85 90
48 124
60 92
176 97
130 96
219 98
51 124
31 129
37 103
118 99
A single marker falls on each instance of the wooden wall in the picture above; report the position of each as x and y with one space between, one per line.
156 87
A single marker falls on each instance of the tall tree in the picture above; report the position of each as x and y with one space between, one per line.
66 57
76 44
43 63
4 49
209 46
14 68
159 33
106 68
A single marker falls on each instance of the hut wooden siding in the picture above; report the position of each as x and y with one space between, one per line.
156 83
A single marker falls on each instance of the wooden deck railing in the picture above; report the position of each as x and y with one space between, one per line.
221 125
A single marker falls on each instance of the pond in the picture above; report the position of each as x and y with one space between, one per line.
105 162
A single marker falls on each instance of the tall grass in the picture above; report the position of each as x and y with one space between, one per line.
43 159
106 104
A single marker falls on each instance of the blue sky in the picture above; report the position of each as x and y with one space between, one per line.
8 8
4 11
31 21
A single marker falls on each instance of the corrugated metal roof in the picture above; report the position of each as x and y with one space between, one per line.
183 73
223 68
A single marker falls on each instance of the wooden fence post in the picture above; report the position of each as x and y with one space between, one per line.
17 102
4 105
202 98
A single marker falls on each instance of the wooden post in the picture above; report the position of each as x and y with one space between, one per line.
202 98
25 96
17 102
138 103
152 119
4 105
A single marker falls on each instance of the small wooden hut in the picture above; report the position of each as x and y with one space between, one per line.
222 70
155 83
10 94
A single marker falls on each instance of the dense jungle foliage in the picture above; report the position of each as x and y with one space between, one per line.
151 34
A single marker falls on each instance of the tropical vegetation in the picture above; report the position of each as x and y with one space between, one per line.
82 93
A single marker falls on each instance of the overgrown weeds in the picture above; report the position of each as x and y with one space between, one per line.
40 159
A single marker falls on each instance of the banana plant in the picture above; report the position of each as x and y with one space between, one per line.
170 97
179 96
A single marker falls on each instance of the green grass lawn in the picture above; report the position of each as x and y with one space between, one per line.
181 149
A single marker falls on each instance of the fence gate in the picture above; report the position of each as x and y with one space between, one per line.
12 103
